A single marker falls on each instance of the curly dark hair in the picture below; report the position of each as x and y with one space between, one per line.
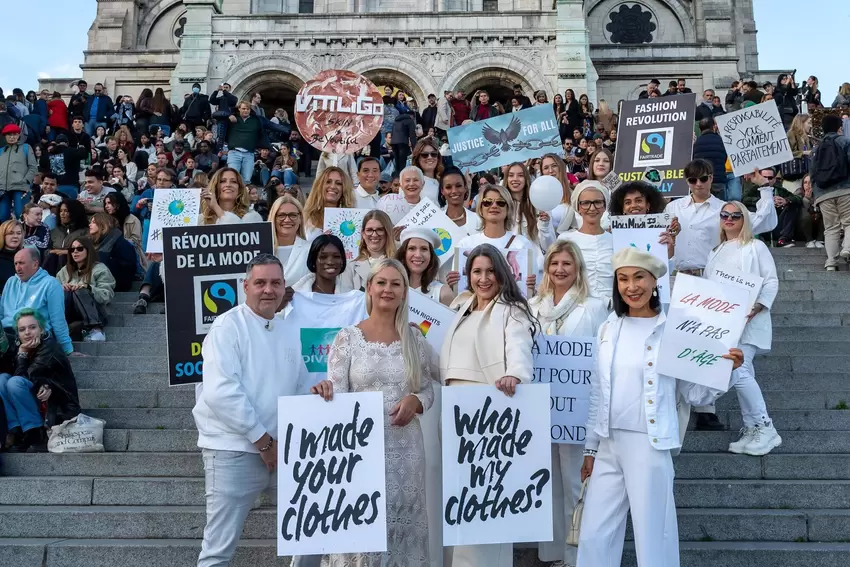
650 193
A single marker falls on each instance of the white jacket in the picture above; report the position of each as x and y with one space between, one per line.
295 266
756 259
248 363
582 320
660 392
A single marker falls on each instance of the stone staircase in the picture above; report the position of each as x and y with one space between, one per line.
140 504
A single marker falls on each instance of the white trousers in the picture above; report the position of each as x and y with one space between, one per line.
753 407
566 487
629 474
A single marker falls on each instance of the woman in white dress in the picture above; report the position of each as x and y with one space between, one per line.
382 353
325 263
564 306
426 156
291 248
563 216
633 426
333 189
535 226
590 199
739 251
419 259
376 243
454 187
226 200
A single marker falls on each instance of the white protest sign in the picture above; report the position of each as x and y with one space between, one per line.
519 260
661 221
612 181
430 317
395 205
567 365
497 465
171 208
428 215
331 485
705 320
751 283
345 224
754 138
645 240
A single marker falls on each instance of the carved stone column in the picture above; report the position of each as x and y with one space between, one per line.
575 69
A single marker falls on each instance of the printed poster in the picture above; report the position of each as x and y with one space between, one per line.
345 224
395 205
751 283
331 480
431 317
754 137
172 208
428 215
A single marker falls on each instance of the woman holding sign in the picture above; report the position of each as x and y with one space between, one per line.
332 188
565 307
376 243
740 252
488 343
382 353
422 264
633 425
226 200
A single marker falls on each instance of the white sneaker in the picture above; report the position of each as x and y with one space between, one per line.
819 244
765 439
811 244
96 336
845 255
738 446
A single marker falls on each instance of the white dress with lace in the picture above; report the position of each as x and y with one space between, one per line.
356 365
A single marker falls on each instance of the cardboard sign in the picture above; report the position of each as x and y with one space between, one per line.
509 138
331 480
172 208
659 221
395 205
612 181
428 215
520 261
497 465
566 364
430 317
657 133
645 240
204 270
705 320
345 224
754 138
751 283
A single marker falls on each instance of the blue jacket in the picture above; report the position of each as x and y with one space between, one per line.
105 108
709 146
43 293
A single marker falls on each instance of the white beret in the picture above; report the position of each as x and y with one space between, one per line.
633 258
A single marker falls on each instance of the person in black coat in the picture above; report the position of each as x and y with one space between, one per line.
42 375
403 140
113 250
709 146
196 108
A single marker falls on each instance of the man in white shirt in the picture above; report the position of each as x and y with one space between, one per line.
366 193
250 358
699 218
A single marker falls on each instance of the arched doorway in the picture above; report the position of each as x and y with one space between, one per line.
499 84
277 88
391 81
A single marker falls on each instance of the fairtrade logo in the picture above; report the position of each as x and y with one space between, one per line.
222 292
445 241
653 147
654 139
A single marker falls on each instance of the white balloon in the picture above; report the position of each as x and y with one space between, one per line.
546 193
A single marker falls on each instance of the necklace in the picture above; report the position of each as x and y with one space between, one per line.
319 288
455 219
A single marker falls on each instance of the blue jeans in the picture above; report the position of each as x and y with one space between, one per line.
243 162
91 126
733 187
6 204
20 403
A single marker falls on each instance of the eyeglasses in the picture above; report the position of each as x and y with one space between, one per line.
430 154
77 249
702 179
734 216
598 203
487 203
374 232
288 216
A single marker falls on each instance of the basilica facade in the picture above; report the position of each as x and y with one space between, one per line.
605 48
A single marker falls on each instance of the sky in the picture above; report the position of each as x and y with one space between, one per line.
807 35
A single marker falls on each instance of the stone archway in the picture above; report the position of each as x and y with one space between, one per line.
396 72
480 72
278 89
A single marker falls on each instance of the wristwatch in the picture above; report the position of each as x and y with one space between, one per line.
268 445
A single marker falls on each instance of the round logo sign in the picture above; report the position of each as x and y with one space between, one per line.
339 111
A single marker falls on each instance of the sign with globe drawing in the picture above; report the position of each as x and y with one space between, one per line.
428 215
173 208
345 224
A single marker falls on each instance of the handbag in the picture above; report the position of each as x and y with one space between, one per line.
87 308
795 169
575 526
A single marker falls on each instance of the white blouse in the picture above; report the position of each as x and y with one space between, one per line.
597 251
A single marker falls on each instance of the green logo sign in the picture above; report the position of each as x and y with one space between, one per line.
315 348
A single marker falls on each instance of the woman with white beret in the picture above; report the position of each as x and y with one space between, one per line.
633 426
417 254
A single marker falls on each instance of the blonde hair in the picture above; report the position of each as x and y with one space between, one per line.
746 235
387 224
562 176
314 208
581 284
844 90
243 200
6 228
409 346
281 201
797 131
526 210
506 196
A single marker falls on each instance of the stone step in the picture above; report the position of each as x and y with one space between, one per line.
153 335
144 347
126 398
125 379
793 442
822 320
763 494
775 466
145 418
809 295
817 307
785 380
148 362
806 345
818 274
130 320
804 285
796 420
814 334
790 400
827 364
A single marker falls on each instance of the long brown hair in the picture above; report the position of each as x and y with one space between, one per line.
562 175
243 201
387 224
84 271
525 210
160 103
430 273
592 176
314 208
423 145
105 222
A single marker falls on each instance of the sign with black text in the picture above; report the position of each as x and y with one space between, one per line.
204 271
331 480
497 465
754 138
657 133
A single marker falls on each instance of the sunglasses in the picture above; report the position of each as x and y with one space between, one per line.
703 179
734 216
77 248
487 203
430 154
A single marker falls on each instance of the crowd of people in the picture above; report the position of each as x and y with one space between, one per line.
77 184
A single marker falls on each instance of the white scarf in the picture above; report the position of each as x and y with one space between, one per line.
552 316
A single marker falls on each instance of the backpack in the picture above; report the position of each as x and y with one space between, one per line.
830 164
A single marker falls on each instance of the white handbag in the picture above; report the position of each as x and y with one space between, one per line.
575 526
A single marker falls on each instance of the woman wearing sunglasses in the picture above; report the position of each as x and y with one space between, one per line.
426 156
738 250
376 243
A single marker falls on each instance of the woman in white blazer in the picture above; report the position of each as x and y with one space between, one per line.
376 243
291 247
489 342
738 250
563 306
633 426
